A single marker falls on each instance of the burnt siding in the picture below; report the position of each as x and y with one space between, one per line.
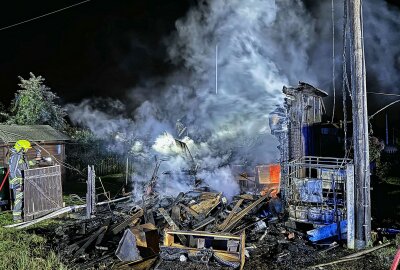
303 111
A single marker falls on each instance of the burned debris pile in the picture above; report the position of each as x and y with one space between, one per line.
198 229
198 226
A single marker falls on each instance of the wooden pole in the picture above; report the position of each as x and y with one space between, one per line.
350 206
91 192
360 126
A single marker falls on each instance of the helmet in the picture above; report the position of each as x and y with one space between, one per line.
22 144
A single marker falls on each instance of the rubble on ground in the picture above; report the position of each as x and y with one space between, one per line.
199 229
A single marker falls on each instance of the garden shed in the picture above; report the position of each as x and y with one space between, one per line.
48 140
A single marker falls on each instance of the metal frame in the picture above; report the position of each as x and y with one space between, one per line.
331 175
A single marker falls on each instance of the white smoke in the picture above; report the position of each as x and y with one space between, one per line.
381 36
263 45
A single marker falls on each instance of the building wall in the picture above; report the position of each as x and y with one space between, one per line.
303 111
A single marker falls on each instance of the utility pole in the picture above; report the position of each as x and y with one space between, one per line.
360 126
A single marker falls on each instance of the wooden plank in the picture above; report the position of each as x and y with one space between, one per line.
27 197
189 210
229 255
168 239
171 223
89 193
217 202
148 216
242 250
116 229
205 234
203 223
90 240
230 216
101 235
176 213
244 212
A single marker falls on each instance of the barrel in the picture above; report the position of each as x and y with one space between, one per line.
314 214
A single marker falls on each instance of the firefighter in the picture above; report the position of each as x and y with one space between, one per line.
17 163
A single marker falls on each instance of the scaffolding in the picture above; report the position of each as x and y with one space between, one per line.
315 189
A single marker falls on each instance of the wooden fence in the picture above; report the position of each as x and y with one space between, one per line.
115 165
110 165
42 191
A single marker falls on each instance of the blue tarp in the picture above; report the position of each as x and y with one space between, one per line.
328 231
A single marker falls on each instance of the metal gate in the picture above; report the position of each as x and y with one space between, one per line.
42 191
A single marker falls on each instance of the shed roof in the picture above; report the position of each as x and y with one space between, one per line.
36 133
305 88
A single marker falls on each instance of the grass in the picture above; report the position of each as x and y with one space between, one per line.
25 250
21 250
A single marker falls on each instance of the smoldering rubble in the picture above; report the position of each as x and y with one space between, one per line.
198 228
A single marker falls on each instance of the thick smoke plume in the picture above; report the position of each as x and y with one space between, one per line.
262 45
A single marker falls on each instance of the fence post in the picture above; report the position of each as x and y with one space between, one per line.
91 192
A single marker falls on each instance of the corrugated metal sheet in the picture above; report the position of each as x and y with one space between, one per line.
13 133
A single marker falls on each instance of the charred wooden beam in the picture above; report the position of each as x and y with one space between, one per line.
172 224
230 216
90 240
203 223
243 213
189 211
119 227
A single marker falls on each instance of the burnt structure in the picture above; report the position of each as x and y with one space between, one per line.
304 108
314 188
293 123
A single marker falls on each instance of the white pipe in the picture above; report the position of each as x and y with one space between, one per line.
58 213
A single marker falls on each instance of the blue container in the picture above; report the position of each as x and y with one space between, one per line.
328 216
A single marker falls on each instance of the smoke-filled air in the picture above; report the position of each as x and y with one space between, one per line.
221 114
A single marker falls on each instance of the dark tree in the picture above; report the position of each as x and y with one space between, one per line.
34 104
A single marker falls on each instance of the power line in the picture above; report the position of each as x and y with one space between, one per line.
384 94
390 104
44 15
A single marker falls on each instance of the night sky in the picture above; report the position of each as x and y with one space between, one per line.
97 49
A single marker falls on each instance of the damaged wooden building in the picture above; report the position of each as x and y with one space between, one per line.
314 186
